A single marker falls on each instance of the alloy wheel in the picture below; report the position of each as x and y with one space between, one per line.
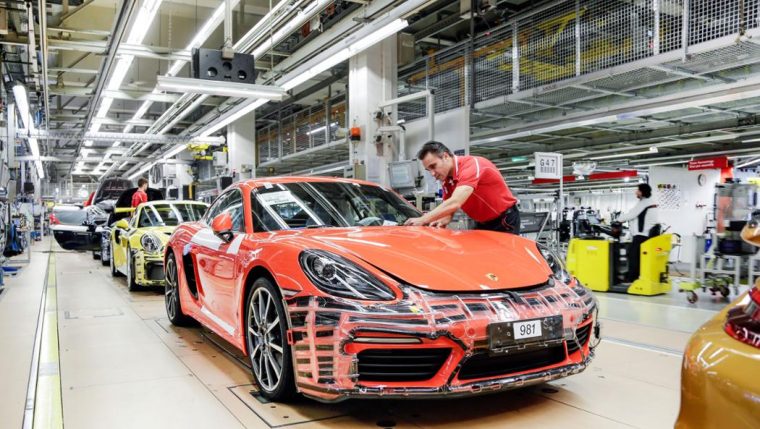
171 297
265 336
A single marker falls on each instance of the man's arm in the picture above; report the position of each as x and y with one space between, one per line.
448 208
632 213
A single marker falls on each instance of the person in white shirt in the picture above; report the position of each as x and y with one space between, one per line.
642 217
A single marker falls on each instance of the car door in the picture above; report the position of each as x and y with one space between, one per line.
121 238
217 260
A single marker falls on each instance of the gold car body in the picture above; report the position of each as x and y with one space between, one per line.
720 379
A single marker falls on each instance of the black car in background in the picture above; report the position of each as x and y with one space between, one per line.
78 228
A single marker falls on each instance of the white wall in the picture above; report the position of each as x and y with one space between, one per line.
685 210
452 128
606 202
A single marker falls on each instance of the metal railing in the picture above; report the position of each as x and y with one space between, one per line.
557 41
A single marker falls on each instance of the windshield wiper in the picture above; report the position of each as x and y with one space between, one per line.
316 226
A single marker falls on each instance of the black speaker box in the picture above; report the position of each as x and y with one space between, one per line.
208 64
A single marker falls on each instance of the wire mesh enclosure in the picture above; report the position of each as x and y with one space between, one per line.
564 40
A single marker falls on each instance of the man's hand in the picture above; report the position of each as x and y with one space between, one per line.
442 222
414 221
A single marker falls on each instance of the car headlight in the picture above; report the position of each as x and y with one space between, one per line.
340 277
151 243
555 263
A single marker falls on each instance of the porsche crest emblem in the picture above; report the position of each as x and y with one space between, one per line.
492 276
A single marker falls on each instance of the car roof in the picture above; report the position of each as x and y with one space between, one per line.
152 203
299 179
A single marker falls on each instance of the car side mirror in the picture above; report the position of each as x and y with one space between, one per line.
222 226
122 224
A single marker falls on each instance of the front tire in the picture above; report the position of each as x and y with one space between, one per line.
171 294
131 275
104 256
114 271
266 337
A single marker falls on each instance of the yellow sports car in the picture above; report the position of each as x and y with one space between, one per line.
137 244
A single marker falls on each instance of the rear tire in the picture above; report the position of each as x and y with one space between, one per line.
266 338
131 280
171 294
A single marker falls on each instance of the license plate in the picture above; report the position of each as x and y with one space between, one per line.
507 334
531 329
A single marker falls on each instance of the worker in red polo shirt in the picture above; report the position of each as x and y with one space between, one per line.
471 183
140 196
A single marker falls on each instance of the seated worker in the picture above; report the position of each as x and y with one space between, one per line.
645 215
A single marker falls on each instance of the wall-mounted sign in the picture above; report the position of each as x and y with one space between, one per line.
718 162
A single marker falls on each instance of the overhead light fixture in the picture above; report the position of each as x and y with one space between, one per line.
320 129
748 163
175 151
22 102
219 88
649 151
234 117
584 167
357 47
140 26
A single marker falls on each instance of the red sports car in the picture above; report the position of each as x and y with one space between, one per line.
317 283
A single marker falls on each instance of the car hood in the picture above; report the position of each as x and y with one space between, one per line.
438 259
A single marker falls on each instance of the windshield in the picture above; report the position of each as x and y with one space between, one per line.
326 204
170 214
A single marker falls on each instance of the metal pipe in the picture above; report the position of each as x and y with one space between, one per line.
105 136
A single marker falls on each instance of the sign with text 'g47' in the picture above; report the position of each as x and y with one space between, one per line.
548 165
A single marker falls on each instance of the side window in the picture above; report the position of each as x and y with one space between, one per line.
215 208
232 203
147 218
235 209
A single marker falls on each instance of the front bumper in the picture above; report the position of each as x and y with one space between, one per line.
435 345
149 269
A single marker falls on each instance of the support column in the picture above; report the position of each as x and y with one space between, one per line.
241 146
372 79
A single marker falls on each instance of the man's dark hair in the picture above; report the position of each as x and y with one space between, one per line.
646 190
435 147
142 181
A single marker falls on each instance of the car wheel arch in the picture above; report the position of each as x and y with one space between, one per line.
254 273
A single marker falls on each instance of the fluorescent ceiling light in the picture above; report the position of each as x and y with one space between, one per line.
748 163
355 48
175 151
234 117
649 151
140 26
223 89
322 128
22 102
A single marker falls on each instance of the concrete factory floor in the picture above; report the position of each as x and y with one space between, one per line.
110 358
